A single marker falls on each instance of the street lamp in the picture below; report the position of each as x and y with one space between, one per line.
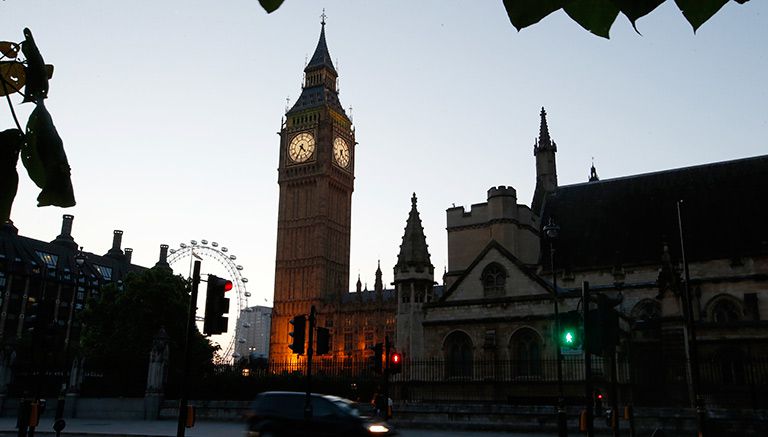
551 230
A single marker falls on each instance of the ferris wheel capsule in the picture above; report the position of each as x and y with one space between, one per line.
183 245
232 257
215 244
193 242
247 294
172 250
245 279
224 249
203 241
239 267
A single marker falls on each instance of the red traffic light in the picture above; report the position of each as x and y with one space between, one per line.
396 358
599 395
227 285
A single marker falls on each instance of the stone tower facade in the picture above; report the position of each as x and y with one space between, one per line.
316 179
414 281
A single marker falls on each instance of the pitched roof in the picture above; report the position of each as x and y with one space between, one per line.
627 220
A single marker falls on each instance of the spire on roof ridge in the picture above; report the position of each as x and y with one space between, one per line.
593 172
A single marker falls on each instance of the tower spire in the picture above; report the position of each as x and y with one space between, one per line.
546 169
544 142
413 251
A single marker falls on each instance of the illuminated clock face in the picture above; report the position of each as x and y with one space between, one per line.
341 152
302 147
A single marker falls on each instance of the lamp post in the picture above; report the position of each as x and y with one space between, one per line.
551 230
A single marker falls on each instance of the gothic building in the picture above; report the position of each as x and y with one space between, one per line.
630 239
316 176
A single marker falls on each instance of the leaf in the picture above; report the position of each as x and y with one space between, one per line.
11 141
634 9
43 156
37 77
270 5
9 49
597 16
524 13
697 12
13 75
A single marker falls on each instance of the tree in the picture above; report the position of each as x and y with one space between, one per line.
597 16
119 325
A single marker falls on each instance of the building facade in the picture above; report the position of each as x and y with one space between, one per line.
255 343
631 239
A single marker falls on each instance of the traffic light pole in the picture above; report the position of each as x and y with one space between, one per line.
588 389
387 347
310 340
562 419
192 310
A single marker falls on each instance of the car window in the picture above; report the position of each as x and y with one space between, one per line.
347 407
323 408
284 404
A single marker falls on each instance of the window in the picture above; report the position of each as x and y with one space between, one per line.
48 259
105 272
490 338
525 348
458 355
494 278
725 310
348 342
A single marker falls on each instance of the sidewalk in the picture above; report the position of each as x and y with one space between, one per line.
132 428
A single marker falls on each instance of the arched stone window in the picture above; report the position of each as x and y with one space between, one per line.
458 351
525 351
494 278
725 309
646 310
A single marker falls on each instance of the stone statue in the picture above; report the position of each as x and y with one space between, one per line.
158 362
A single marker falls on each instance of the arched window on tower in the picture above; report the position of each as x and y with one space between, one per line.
458 350
494 279
525 351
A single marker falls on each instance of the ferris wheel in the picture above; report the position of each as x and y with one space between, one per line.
238 303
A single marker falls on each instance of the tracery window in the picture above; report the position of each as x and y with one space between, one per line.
494 279
458 355
525 347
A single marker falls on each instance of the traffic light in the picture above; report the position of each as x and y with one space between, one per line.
323 341
395 363
298 334
571 331
216 305
378 355
598 403
603 325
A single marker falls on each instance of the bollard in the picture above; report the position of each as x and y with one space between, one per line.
190 417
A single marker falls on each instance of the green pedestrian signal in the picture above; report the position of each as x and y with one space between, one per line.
571 328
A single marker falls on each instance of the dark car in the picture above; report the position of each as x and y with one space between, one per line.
281 413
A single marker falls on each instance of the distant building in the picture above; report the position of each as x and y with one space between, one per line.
254 332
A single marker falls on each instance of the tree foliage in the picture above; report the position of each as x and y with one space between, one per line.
597 16
41 148
119 326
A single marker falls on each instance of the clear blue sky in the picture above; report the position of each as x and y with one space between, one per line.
169 111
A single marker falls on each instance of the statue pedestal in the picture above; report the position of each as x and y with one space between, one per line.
152 405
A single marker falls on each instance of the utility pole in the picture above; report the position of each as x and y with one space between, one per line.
693 349
192 310
310 340
588 388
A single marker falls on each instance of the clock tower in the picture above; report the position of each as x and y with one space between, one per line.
316 179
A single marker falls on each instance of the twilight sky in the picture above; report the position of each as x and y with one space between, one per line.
169 111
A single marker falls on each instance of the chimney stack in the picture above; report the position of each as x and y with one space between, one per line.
115 252
65 238
162 263
128 254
